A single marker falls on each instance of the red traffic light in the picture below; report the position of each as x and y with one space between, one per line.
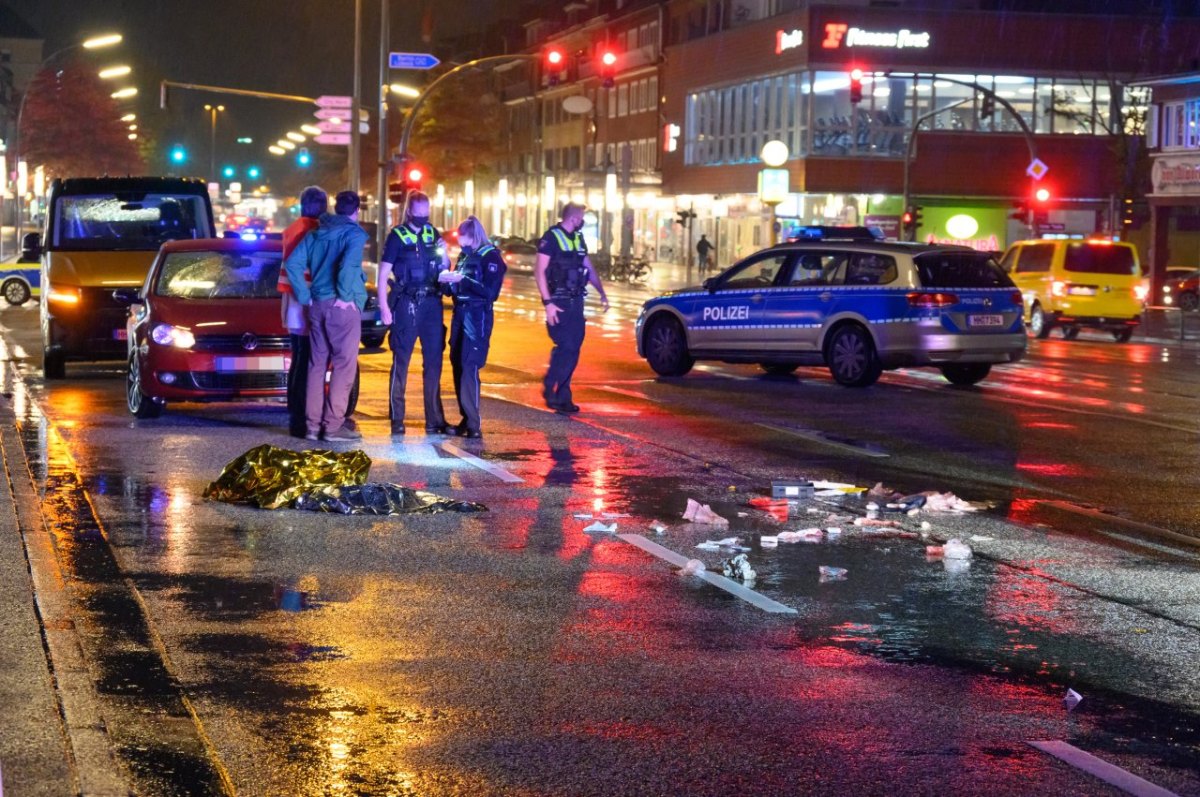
555 57
907 218
609 58
856 74
1042 195
415 175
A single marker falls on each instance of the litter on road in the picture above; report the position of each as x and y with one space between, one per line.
702 514
956 549
739 567
829 573
600 528
1072 699
693 567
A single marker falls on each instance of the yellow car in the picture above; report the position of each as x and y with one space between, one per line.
1071 284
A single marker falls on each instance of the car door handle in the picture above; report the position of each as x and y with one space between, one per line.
826 296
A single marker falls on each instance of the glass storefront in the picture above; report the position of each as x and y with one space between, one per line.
811 112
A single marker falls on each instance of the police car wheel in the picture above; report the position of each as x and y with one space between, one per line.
780 369
15 291
852 358
140 405
966 373
666 348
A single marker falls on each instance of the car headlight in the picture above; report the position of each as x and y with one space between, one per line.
1166 289
168 335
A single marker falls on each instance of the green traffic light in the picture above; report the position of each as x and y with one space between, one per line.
178 155
228 172
253 172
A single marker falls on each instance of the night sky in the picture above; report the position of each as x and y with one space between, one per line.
286 46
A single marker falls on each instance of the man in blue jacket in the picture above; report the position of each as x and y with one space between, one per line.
333 255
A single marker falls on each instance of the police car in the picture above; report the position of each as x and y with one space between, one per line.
858 306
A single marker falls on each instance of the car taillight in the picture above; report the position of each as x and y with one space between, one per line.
508 258
1058 288
1141 291
932 299
1016 298
62 295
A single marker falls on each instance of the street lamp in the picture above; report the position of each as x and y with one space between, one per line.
312 130
94 43
276 150
294 136
212 148
114 72
401 90
125 93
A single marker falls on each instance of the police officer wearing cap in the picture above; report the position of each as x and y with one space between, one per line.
410 302
475 284
563 272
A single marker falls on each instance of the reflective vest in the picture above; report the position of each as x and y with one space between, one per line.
471 267
420 261
566 273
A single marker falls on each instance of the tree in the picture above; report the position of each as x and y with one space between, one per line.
459 131
72 126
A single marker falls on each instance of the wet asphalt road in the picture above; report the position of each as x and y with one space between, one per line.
511 653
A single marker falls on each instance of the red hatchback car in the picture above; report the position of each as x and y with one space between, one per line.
206 326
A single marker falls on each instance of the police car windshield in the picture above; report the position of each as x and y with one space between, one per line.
960 270
220 275
106 221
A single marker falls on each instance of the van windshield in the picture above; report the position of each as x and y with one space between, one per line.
106 221
1101 259
220 275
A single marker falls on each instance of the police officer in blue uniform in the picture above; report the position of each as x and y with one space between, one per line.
563 273
410 302
475 284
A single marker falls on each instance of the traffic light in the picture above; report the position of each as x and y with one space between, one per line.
254 172
1042 195
1020 212
856 94
608 68
303 158
178 154
906 224
228 172
915 217
987 107
411 176
555 61
685 217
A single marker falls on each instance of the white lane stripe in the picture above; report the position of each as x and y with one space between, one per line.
1098 767
631 393
732 587
817 437
1145 528
710 369
497 471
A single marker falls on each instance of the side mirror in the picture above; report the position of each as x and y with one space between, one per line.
710 284
31 246
127 296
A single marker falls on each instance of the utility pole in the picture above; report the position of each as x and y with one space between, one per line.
356 102
382 220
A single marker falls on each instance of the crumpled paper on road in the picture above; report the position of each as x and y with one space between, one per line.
269 477
697 512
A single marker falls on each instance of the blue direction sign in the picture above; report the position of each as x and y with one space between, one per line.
412 61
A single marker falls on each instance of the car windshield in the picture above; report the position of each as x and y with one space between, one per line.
143 222
520 249
1101 259
220 275
960 270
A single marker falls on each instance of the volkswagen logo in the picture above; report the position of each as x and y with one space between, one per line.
987 302
249 341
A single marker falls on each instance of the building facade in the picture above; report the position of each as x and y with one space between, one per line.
1066 79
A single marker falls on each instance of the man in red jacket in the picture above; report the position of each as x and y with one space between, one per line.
313 202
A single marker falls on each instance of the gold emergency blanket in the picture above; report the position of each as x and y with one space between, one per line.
270 477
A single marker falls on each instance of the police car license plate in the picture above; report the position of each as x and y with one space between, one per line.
121 334
993 320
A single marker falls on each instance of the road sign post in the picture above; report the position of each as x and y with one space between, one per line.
421 61
334 139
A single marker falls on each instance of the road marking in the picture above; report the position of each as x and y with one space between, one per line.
730 586
630 393
814 436
497 471
712 369
1109 773
1145 528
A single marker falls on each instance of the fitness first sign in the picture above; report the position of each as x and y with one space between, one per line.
840 34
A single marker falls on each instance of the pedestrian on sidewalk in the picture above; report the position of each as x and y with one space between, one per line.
563 272
332 255
703 248
313 202
410 303
474 284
